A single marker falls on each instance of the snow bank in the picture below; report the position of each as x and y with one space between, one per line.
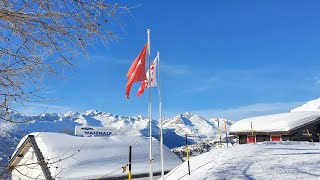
275 122
71 157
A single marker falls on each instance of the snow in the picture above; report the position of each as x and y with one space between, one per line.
173 133
94 157
187 123
313 105
267 160
275 122
195 126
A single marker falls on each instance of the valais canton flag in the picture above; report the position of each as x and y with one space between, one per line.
153 80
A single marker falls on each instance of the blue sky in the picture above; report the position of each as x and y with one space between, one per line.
231 59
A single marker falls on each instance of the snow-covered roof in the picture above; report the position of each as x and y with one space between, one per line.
275 122
72 157
313 105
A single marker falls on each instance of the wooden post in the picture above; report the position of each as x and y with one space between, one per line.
129 173
187 151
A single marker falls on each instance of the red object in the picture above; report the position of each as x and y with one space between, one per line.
144 84
137 71
275 138
251 139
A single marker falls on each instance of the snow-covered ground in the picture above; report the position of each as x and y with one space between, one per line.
267 160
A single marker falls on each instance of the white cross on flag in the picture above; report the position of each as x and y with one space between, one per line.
137 70
144 84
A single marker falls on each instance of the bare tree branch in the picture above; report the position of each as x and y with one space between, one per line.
40 35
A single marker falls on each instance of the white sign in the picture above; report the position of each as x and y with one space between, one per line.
92 131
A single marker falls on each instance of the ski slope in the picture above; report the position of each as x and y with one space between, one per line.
267 160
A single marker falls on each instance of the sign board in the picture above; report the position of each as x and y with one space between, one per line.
92 131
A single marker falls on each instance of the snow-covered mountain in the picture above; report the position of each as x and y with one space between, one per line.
198 128
53 122
195 126
313 105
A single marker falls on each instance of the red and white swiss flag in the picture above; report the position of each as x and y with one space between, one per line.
137 71
144 84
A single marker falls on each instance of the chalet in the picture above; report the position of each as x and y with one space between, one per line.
60 156
292 126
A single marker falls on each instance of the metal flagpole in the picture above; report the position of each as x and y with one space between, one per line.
150 110
251 129
160 117
219 131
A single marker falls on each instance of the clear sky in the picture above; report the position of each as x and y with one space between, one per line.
231 59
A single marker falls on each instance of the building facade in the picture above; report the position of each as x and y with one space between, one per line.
279 127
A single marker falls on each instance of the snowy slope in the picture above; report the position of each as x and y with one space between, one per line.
94 157
190 124
313 105
194 125
275 122
268 160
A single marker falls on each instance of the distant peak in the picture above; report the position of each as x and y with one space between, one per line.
92 112
70 113
179 116
187 114
49 114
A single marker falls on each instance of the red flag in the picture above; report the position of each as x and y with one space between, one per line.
144 84
137 71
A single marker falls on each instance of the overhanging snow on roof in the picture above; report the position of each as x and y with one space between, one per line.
71 157
276 122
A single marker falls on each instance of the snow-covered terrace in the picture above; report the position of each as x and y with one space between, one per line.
275 122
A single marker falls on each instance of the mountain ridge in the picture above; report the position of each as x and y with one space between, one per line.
174 129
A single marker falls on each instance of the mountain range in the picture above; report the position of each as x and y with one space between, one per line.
174 129
197 128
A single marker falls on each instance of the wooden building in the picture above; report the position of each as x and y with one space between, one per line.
292 126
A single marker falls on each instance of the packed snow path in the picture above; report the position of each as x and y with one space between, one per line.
268 160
